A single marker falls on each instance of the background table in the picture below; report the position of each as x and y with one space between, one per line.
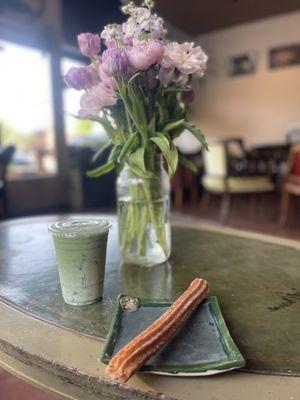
56 346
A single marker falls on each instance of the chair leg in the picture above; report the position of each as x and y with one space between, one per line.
178 198
225 208
285 202
194 194
205 200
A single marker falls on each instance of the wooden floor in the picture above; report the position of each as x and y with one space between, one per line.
254 213
258 214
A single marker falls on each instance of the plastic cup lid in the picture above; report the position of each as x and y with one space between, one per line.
72 228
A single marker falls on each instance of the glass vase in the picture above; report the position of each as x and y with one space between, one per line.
144 216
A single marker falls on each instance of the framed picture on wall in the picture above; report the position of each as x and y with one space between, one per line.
284 56
242 64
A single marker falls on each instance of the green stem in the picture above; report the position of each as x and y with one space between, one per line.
160 233
130 114
142 226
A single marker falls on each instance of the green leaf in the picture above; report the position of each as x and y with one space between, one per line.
114 154
187 163
119 116
138 111
151 125
162 143
123 89
197 133
137 171
137 159
111 132
127 147
137 105
103 169
162 113
130 81
101 150
177 132
109 129
168 150
173 161
173 125
172 89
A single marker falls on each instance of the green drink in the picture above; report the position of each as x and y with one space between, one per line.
80 246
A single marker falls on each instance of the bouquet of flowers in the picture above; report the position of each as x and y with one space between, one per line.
136 88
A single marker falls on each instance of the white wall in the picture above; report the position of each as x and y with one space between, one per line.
257 107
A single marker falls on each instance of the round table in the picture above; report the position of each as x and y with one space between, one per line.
56 347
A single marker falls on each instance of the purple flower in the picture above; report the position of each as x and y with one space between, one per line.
145 53
81 78
112 31
114 61
106 80
143 23
111 43
93 100
113 36
89 44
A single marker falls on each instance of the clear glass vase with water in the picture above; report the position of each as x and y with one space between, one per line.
144 217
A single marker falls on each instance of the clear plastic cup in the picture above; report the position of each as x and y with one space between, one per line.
80 246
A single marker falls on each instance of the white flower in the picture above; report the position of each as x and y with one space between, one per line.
185 57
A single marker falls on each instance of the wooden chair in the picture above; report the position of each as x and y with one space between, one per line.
5 158
226 175
185 180
177 184
291 184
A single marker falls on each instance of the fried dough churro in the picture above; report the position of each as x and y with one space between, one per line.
139 350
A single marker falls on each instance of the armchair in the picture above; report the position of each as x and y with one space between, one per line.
228 175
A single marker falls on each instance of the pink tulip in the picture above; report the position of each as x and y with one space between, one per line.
145 53
89 44
81 78
105 79
93 100
114 61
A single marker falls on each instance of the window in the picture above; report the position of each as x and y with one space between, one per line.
26 119
78 132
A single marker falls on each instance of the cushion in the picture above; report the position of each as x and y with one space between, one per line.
249 184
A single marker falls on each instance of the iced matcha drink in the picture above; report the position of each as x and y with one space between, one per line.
81 252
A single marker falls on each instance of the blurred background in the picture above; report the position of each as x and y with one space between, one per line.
248 106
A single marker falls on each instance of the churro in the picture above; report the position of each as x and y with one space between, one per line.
139 350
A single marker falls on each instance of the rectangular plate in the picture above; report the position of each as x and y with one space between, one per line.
202 347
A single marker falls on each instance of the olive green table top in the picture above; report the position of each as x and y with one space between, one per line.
256 279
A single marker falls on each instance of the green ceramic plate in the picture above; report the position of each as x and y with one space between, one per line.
202 347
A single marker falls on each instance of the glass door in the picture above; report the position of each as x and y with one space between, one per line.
26 110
